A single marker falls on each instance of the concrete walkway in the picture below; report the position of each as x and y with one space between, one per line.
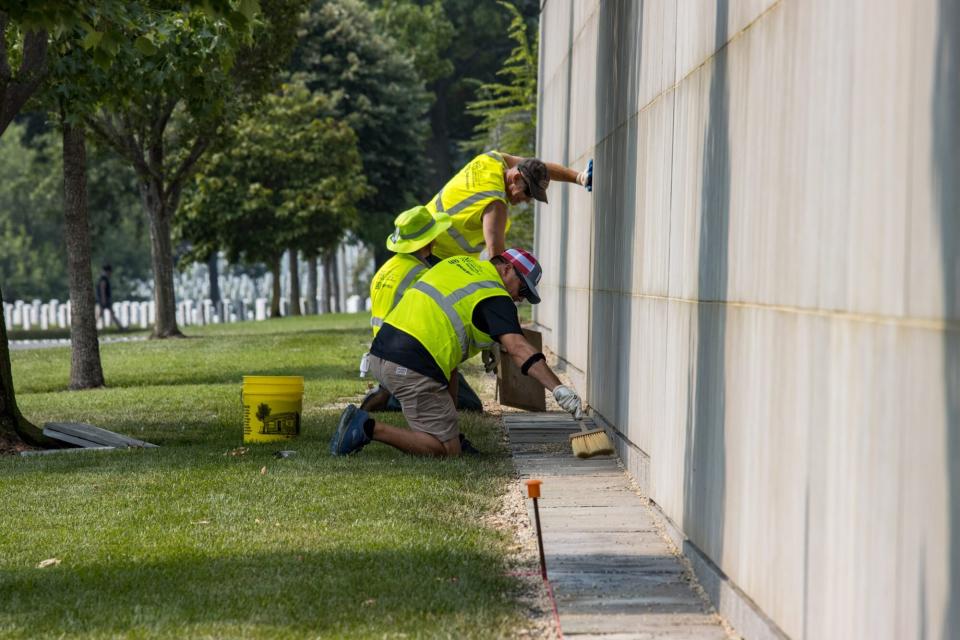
613 575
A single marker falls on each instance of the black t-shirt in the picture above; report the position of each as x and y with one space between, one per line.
496 316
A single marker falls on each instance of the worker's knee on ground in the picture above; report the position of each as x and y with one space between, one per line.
452 447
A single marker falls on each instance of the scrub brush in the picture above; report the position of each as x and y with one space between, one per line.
587 444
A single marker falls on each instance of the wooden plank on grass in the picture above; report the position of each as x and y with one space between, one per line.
516 389
69 439
91 434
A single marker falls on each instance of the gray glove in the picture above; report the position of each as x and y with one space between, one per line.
569 401
491 358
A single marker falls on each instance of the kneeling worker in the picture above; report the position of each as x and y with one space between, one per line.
412 241
459 306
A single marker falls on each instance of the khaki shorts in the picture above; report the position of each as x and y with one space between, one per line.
426 403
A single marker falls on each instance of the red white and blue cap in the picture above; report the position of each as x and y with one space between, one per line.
528 269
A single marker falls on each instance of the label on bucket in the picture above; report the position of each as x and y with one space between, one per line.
266 419
271 407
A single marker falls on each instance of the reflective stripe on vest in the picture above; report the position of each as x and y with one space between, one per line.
465 198
412 275
496 156
463 204
438 310
457 237
389 284
446 304
464 243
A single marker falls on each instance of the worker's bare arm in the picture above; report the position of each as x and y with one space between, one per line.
495 227
511 161
560 173
520 351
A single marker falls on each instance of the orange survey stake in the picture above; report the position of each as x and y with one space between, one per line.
533 488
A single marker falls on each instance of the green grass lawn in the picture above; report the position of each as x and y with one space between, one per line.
185 541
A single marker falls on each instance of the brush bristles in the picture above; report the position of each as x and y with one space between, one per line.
591 443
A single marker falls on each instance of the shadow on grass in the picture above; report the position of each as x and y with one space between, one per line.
235 376
336 592
208 450
223 331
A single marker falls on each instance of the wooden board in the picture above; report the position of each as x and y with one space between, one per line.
85 435
515 389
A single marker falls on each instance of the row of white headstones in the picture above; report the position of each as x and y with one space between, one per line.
55 314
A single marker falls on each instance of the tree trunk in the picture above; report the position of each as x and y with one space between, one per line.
335 277
86 371
325 294
14 93
312 285
294 264
14 428
438 145
161 257
277 289
213 270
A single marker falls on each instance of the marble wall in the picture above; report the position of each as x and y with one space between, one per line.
762 294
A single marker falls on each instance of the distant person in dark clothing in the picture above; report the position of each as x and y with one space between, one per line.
105 298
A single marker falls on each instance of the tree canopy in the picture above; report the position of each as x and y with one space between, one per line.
288 176
376 90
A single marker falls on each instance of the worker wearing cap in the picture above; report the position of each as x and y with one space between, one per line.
476 199
415 231
459 306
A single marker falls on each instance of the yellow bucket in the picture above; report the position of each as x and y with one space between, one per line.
271 407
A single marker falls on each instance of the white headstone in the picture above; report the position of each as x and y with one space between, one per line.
7 314
62 315
353 304
144 314
152 312
44 316
124 314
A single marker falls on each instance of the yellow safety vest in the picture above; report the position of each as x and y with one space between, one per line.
438 309
464 198
389 284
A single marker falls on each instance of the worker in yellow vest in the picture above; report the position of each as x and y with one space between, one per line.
476 199
457 308
415 231
411 241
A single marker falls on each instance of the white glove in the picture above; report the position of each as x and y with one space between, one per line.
568 400
585 177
